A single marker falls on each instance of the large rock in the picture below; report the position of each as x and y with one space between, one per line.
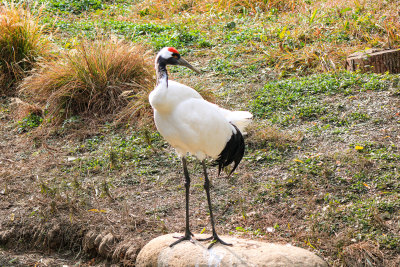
243 253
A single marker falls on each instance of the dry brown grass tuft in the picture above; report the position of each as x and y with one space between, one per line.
22 43
261 135
363 254
97 80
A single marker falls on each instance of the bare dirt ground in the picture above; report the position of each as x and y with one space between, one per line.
98 197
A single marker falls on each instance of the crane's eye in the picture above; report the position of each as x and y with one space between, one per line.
175 55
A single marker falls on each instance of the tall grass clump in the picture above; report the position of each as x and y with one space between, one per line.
22 43
97 80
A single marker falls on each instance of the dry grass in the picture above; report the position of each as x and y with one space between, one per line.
363 254
164 8
351 26
262 134
22 43
96 79
299 37
21 109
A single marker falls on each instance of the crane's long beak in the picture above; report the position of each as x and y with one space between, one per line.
183 62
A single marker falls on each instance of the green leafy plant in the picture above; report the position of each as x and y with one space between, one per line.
76 6
28 123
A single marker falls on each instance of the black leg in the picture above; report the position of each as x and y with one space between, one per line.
214 236
188 235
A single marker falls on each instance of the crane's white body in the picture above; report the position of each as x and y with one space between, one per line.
190 123
193 125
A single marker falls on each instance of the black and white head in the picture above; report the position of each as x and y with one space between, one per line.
171 56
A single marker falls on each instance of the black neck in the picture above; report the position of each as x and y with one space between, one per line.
161 70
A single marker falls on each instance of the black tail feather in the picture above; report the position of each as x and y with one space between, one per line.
233 152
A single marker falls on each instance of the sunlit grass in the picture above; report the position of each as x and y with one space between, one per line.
94 80
290 37
22 43
292 100
163 8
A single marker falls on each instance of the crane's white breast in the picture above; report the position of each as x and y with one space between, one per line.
165 99
195 126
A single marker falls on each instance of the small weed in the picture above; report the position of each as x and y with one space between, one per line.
361 117
28 123
257 232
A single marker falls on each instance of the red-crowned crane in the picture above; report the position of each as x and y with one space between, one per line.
195 126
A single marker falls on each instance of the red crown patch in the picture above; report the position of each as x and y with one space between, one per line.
173 50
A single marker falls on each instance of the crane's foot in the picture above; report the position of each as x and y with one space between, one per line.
188 236
215 239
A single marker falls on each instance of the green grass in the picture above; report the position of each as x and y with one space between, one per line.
117 152
357 191
294 100
350 171
155 35
75 6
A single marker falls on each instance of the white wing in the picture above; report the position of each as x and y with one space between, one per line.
239 118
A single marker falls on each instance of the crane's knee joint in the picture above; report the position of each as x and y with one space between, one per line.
187 184
206 184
